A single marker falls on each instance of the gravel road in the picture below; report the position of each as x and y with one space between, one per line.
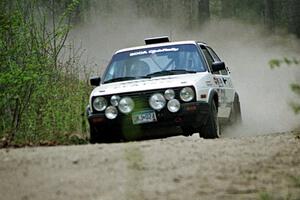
254 167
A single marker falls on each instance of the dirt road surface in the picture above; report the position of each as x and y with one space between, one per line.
254 167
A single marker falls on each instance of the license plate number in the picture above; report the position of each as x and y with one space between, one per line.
144 117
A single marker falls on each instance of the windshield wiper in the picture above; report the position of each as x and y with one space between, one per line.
182 71
170 72
126 78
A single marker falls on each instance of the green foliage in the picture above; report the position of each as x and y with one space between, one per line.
296 181
265 196
41 98
275 63
295 87
274 14
246 10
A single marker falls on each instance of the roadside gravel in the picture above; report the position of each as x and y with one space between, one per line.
253 167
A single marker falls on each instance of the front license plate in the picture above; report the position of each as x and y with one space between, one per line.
144 117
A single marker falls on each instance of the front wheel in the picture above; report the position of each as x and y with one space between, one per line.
212 128
99 135
94 137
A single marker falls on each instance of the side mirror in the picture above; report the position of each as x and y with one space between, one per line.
218 66
95 81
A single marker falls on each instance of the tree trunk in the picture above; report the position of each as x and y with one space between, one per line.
269 14
294 17
227 8
203 12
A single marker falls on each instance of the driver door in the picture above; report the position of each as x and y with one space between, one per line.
226 91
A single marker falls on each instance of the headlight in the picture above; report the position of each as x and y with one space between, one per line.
111 112
114 100
187 94
157 101
169 94
126 105
99 103
173 105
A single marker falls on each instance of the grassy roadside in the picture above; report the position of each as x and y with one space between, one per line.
43 84
51 140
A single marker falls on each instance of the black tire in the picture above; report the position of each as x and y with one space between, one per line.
212 128
103 135
93 137
236 114
99 136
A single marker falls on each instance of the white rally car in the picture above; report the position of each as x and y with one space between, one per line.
162 89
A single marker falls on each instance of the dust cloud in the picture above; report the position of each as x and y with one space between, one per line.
246 49
264 93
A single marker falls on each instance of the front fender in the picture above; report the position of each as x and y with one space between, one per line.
213 96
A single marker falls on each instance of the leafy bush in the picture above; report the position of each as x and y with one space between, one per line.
41 97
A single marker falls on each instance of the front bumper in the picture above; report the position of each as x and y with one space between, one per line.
191 116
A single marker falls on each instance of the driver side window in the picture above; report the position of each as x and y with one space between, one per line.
209 58
216 58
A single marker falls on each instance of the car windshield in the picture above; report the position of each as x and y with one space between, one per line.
153 62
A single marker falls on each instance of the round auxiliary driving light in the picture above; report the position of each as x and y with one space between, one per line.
111 112
187 94
169 94
114 100
99 103
157 101
173 105
126 105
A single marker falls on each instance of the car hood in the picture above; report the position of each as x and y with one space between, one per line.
148 84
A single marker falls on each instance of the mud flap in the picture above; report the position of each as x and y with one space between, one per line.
224 114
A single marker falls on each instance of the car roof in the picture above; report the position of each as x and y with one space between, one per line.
164 44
